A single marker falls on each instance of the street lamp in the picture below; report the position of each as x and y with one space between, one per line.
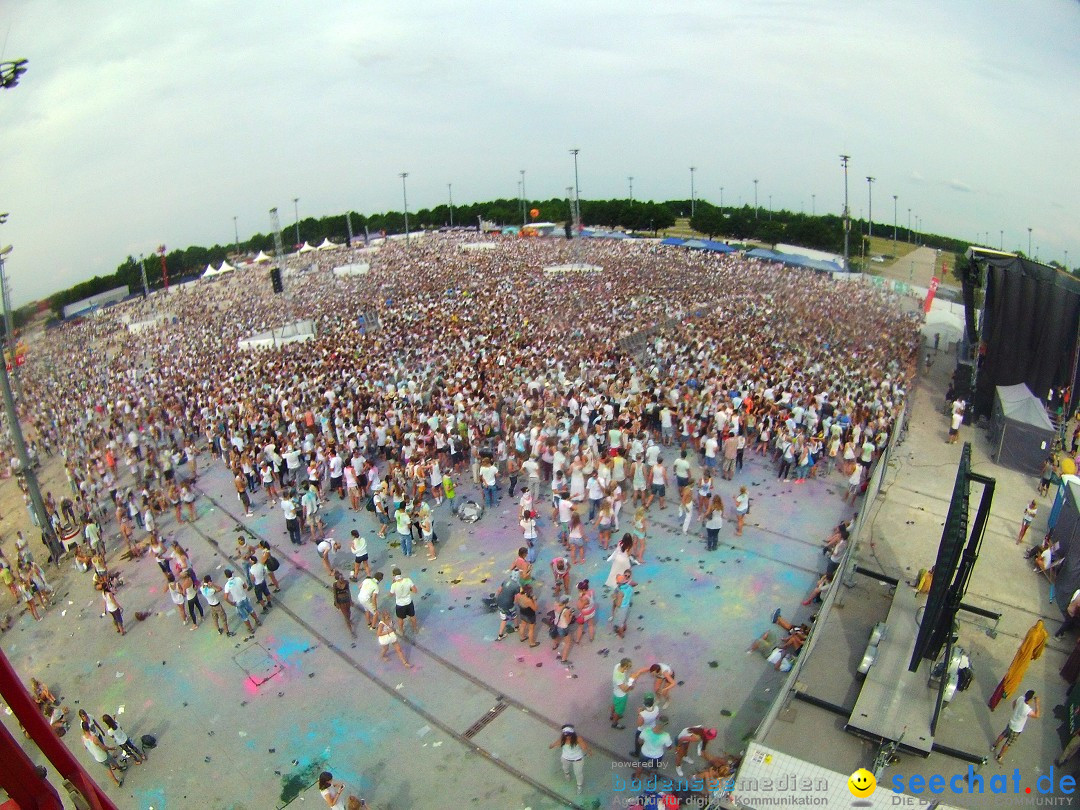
577 194
15 428
450 192
405 205
894 224
236 234
770 208
909 225
1029 243
755 200
296 215
721 199
524 202
1001 240
847 222
870 207
630 180
813 204
692 169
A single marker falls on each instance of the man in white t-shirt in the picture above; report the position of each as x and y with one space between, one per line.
368 598
1025 706
654 742
403 589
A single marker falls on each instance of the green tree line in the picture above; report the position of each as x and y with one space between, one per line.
824 232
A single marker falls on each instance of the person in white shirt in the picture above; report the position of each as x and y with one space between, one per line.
212 594
235 591
1025 706
368 598
403 589
654 742
360 555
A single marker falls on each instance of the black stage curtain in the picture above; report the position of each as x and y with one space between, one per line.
1029 330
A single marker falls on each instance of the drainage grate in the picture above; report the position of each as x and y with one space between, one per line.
492 713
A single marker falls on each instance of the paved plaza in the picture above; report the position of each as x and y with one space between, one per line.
246 723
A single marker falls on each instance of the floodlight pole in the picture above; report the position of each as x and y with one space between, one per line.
721 200
296 216
813 205
236 235
870 208
847 221
37 503
405 204
755 200
894 224
1029 243
577 194
692 195
450 191
631 181
909 226
9 329
524 202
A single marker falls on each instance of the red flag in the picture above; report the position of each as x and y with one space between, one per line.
930 294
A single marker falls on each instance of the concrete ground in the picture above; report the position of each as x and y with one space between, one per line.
906 527
249 722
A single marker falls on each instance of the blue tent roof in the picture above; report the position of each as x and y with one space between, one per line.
792 260
699 244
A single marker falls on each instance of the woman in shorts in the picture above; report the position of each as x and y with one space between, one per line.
388 638
527 607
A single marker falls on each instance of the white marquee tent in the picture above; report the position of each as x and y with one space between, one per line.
261 258
306 248
327 245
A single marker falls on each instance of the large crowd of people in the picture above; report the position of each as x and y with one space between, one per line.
610 396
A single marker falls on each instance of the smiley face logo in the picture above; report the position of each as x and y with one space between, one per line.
862 783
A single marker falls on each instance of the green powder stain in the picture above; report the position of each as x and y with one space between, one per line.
294 783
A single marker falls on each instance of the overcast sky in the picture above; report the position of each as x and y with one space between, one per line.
147 122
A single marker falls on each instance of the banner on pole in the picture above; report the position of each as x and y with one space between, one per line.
930 294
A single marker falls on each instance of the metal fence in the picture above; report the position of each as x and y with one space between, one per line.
844 574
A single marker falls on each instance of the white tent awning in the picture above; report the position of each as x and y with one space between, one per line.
262 257
305 248
327 245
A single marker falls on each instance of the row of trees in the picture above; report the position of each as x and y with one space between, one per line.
824 232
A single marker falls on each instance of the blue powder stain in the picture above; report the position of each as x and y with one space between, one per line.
290 649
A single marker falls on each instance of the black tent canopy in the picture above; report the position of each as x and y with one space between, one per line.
1021 434
1029 327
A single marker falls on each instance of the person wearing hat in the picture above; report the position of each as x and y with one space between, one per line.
654 742
686 738
574 750
647 715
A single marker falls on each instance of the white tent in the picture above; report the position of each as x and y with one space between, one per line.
209 272
327 245
225 268
262 257
305 248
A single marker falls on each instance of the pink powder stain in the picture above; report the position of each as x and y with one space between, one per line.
250 687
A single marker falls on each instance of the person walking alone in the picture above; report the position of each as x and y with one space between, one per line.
573 751
1025 706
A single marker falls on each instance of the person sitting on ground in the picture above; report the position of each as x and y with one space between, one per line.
822 586
44 698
